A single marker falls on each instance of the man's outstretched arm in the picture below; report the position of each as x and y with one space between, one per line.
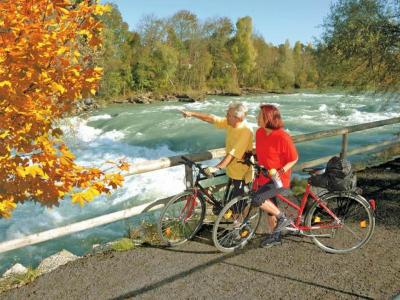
201 116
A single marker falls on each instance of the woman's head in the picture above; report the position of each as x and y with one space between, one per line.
270 117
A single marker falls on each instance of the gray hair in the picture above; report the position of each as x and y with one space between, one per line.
239 109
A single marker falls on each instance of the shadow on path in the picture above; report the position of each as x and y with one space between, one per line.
298 280
171 279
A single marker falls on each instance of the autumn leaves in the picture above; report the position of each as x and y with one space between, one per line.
46 64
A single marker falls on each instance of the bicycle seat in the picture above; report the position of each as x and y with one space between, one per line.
314 170
286 192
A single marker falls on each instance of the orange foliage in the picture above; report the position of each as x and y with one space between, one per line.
43 73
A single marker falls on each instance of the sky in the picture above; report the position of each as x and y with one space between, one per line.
275 20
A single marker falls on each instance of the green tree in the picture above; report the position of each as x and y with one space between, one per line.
242 48
305 68
223 73
194 60
156 63
360 45
286 66
116 56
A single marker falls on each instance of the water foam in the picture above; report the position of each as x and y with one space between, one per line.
323 107
99 117
77 130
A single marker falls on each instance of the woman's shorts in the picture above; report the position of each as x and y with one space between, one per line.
267 191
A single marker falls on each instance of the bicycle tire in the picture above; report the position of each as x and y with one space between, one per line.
357 217
227 234
179 221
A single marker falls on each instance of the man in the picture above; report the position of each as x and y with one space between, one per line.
239 139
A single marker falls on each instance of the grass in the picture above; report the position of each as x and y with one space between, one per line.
18 280
146 232
124 244
298 186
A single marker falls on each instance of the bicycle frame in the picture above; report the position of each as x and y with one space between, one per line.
300 209
202 192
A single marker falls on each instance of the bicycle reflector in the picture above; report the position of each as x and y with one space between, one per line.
372 203
363 224
244 233
168 231
228 214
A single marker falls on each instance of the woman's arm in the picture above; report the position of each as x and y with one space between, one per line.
288 166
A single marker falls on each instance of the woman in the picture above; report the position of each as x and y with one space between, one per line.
275 150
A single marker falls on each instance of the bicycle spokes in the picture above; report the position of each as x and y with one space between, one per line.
235 224
350 229
181 218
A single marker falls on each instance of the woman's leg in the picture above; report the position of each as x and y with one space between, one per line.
276 219
270 208
271 223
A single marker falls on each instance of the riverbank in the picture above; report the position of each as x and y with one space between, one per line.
197 270
199 95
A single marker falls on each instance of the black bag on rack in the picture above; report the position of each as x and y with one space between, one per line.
338 176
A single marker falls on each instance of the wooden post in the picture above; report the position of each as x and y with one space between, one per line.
345 140
189 176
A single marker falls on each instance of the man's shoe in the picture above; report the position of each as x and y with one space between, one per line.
271 240
282 223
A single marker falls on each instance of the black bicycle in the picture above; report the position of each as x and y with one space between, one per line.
183 215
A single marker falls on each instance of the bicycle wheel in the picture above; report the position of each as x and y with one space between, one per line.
356 217
235 224
181 218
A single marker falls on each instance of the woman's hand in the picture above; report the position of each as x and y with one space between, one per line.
275 174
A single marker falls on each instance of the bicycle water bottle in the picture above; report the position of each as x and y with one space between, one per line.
276 179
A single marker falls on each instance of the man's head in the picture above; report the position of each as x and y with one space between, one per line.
236 113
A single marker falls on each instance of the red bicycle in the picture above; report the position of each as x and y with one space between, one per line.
337 222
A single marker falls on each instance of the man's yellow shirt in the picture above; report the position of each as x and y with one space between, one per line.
237 141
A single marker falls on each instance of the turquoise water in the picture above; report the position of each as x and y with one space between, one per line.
141 132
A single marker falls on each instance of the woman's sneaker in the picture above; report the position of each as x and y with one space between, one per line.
271 240
282 223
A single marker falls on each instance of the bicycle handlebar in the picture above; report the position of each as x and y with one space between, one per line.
190 162
258 167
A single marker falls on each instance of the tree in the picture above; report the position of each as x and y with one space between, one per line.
43 73
116 55
360 45
186 38
223 73
285 68
264 74
157 59
242 48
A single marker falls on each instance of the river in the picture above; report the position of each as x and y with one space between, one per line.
141 132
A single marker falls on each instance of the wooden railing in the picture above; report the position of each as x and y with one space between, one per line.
167 162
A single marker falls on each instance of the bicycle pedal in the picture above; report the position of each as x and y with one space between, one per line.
293 229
